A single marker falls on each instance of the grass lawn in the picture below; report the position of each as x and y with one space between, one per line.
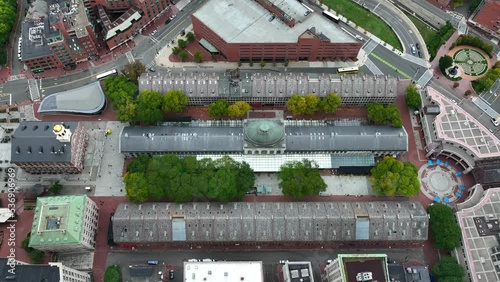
427 33
365 19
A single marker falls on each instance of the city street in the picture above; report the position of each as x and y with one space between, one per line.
173 259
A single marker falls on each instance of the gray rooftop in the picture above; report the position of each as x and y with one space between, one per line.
34 44
480 235
34 141
88 99
199 137
269 221
29 272
204 84
237 21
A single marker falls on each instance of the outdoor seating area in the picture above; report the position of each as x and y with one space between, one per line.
441 182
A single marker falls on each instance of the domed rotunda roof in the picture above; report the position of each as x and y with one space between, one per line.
264 132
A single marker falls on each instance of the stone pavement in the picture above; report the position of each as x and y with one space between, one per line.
439 180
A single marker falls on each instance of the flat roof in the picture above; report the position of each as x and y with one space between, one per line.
351 265
457 126
479 225
227 271
489 15
36 47
29 272
298 272
58 220
88 99
237 21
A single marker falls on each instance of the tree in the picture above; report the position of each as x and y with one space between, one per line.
262 64
139 164
222 186
174 101
413 100
136 187
55 188
126 110
149 107
238 109
392 177
448 270
218 109
133 70
36 256
444 63
113 274
444 229
119 87
285 63
190 37
456 84
182 43
307 104
198 56
301 179
330 103
176 51
376 113
183 56
393 115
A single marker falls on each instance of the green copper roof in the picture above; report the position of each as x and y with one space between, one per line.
264 132
58 221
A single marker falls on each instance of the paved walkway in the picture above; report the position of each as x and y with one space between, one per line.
439 180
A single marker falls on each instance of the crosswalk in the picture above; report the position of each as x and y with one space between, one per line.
130 57
154 40
33 88
152 64
369 46
16 77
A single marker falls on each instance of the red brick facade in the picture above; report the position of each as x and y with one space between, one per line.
309 46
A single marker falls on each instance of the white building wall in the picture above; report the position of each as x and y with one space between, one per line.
69 274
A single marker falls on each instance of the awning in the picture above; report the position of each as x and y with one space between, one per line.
207 45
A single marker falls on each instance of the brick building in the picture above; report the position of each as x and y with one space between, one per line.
487 18
271 223
64 224
63 33
48 147
270 30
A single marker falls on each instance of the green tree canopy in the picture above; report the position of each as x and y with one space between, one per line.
148 107
392 177
448 270
190 36
218 109
183 55
307 104
174 101
444 229
301 179
376 112
413 100
198 56
118 87
238 109
445 62
126 110
182 43
113 274
182 179
330 103
393 115
133 70
55 188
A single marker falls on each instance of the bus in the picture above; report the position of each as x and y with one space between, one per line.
106 74
331 16
347 70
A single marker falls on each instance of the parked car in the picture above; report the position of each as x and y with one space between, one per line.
171 274
418 46
495 121
151 69
283 261
413 50
154 32
419 54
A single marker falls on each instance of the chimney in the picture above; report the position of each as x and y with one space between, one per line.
63 133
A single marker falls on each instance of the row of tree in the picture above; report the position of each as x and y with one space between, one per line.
180 49
413 99
475 41
221 108
310 103
301 179
182 179
146 107
439 38
8 15
383 115
392 177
